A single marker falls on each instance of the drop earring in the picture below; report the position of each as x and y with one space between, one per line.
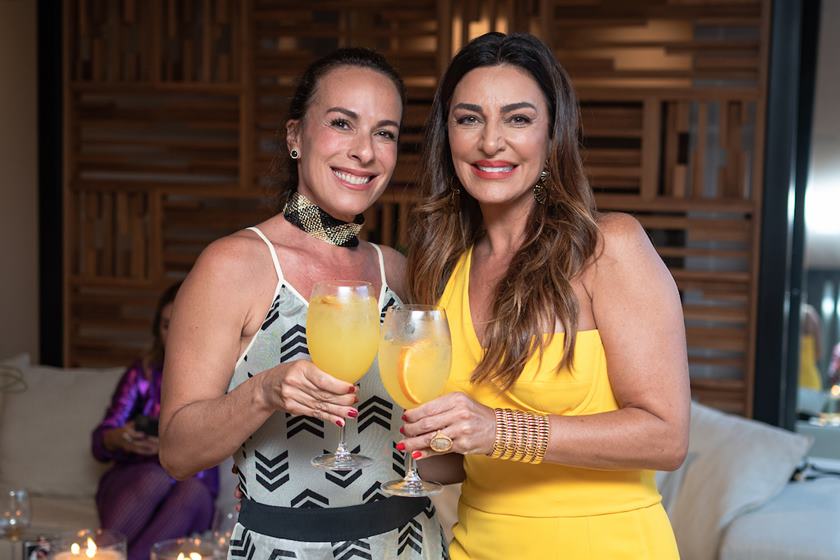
540 192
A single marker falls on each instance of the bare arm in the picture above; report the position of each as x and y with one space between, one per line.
639 317
200 424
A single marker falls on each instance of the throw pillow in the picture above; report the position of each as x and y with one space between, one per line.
45 443
739 465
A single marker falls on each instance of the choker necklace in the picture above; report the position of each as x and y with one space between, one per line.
309 217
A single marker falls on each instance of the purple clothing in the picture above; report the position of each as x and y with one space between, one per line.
136 496
138 395
143 503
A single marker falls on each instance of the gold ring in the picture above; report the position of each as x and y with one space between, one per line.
440 442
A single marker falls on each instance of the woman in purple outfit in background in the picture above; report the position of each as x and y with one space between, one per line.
136 497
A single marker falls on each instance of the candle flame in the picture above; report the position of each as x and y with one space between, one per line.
75 549
195 556
835 390
91 548
181 556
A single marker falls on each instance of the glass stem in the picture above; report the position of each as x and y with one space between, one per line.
411 478
341 452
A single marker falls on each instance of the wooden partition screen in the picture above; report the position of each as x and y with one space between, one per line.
173 107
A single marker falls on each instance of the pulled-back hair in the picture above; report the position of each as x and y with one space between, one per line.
560 236
283 175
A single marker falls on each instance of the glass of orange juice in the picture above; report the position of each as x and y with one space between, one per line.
342 332
415 354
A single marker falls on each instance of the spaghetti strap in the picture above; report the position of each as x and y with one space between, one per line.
381 264
273 252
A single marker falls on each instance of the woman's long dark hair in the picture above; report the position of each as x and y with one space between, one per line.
283 175
561 235
154 359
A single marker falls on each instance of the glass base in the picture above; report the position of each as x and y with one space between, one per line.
411 488
349 462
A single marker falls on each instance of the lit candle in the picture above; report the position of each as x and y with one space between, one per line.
91 552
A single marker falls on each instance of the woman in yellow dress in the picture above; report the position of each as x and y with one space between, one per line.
809 348
569 383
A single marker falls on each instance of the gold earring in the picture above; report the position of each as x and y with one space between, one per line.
455 198
540 193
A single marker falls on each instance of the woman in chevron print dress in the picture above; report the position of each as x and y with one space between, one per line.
237 376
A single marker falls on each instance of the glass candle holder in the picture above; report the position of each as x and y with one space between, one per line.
89 544
194 548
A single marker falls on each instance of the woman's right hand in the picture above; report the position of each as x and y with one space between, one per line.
302 389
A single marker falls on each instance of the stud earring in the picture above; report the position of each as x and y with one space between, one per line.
294 153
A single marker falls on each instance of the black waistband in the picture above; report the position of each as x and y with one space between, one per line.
330 524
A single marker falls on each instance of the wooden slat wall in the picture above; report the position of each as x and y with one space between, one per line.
175 110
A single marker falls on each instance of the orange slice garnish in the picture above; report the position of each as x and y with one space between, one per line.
406 353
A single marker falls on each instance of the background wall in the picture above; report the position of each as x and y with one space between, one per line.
822 209
19 179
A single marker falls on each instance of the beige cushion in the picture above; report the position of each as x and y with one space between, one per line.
738 465
45 436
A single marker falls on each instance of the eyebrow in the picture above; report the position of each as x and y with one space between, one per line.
505 108
354 115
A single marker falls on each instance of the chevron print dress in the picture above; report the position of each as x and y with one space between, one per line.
274 463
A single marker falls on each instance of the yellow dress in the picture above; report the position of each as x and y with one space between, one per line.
809 375
511 510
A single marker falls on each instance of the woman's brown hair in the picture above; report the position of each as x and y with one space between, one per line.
561 235
154 359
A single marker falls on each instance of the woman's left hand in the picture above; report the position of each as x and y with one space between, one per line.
470 425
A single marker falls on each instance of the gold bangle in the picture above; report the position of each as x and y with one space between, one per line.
519 436
542 441
531 440
498 443
510 428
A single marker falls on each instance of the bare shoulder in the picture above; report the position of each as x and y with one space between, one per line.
233 256
621 233
230 263
395 270
624 253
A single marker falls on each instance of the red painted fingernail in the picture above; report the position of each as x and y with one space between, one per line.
400 446
352 389
404 418
417 454
402 430
352 413
355 400
339 423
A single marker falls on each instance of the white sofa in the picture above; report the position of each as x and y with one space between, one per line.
45 435
731 500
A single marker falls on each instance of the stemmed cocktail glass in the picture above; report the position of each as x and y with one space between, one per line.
342 332
414 360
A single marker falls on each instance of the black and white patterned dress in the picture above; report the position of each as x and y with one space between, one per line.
274 463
